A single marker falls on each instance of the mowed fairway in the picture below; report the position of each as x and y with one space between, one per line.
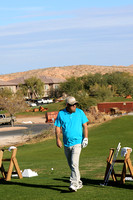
53 184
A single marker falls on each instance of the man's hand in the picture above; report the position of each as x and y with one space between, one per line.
84 143
59 143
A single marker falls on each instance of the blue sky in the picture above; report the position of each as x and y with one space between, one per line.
48 33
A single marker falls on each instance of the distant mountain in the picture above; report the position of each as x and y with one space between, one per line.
68 71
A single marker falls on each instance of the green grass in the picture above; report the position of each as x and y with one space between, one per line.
51 107
41 157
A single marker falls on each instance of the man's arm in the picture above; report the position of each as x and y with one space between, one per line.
85 130
85 140
57 134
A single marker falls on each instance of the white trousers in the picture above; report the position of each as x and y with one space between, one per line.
73 154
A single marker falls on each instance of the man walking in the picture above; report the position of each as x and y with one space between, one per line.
73 123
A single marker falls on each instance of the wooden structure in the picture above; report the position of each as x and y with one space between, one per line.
126 106
13 163
126 165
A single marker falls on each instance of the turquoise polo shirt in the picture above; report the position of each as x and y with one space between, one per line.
72 126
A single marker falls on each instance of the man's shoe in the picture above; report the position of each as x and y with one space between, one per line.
72 188
80 186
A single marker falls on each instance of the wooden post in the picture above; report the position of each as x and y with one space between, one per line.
126 165
1 156
13 163
1 165
109 162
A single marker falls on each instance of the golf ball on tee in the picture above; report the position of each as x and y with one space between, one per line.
52 169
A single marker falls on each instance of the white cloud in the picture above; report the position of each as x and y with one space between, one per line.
34 44
88 19
90 36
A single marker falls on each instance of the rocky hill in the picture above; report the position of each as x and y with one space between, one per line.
68 71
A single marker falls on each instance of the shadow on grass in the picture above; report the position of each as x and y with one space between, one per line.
51 187
86 181
127 185
97 183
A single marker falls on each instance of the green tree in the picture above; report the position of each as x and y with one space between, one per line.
92 79
84 100
101 93
5 92
33 87
12 104
71 86
91 88
54 93
121 83
23 89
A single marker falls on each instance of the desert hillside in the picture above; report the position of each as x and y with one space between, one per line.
68 71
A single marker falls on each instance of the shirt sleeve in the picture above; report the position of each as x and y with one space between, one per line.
58 121
84 118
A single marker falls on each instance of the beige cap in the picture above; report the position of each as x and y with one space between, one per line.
71 100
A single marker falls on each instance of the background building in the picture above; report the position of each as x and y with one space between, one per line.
49 84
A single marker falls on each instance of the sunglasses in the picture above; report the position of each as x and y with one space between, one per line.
72 105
